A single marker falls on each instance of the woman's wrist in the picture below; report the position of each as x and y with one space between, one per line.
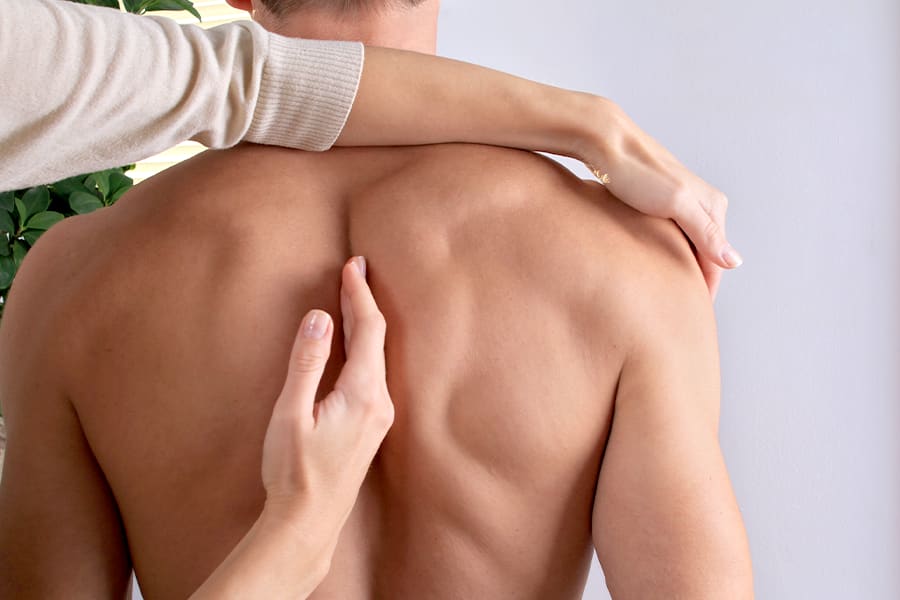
312 526
558 121
287 552
311 520
303 530
599 130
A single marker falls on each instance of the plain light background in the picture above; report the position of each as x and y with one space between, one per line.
793 109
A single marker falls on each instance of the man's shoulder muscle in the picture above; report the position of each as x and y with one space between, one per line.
574 234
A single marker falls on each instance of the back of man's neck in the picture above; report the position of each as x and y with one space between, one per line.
405 29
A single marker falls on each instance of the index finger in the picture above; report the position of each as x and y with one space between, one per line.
365 324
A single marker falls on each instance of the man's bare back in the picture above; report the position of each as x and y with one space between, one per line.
522 305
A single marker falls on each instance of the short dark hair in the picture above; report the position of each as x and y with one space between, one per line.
283 7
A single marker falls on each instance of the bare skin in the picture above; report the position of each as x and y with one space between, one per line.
527 312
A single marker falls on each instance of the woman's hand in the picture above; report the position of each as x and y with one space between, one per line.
644 175
318 453
315 455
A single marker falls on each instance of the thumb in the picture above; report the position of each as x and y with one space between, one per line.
312 348
708 237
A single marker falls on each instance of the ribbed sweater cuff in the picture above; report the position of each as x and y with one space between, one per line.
308 88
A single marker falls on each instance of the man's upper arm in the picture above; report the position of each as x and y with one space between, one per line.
665 521
60 533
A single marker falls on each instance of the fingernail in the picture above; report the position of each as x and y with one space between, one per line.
315 324
361 264
731 257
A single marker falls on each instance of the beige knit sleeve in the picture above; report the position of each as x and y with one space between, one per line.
87 88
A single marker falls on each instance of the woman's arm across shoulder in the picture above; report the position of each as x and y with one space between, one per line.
410 98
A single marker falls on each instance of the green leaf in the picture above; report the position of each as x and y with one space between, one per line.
19 251
104 3
20 208
44 220
35 200
100 180
119 180
32 235
132 6
6 222
7 271
4 248
67 186
119 183
6 201
83 203
154 5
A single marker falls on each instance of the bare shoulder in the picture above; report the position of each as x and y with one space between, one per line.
58 260
49 302
527 179
571 226
46 272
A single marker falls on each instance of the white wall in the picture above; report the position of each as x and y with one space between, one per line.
792 109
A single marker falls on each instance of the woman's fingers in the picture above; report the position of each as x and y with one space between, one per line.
312 348
707 233
644 175
364 329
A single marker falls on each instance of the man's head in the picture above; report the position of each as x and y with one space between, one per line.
404 24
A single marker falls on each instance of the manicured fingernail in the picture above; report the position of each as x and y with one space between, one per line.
731 257
315 324
361 264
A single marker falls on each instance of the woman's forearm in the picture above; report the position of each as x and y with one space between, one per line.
137 86
407 98
282 556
